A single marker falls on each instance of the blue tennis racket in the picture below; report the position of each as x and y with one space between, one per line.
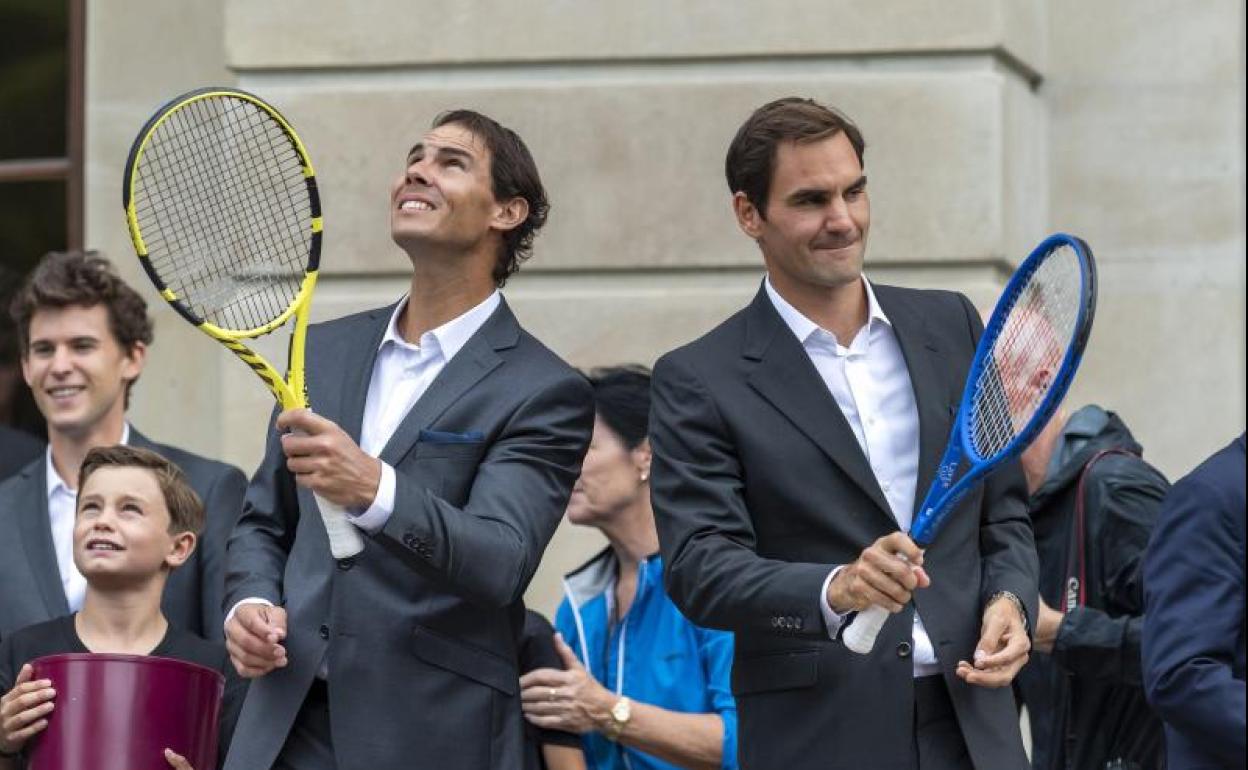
1023 366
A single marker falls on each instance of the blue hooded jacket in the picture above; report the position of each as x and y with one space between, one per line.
653 656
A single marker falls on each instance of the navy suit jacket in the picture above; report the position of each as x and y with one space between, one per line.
30 580
1193 641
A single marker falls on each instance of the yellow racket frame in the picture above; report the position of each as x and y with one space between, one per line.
290 391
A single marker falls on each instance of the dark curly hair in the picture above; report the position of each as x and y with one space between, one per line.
84 278
513 173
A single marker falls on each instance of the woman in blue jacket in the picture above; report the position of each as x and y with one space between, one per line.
645 688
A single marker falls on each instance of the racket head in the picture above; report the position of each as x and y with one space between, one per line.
1030 350
223 211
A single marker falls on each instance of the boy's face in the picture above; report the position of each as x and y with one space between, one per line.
77 370
121 533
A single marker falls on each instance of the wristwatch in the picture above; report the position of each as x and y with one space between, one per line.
620 713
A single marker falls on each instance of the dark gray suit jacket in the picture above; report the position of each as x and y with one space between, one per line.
759 487
418 631
31 580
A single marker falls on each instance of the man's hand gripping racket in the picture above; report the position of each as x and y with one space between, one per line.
225 217
1023 366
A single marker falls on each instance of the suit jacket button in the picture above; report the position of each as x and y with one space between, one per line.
903 650
346 564
323 631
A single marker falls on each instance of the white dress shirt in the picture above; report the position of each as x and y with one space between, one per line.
401 375
62 510
871 384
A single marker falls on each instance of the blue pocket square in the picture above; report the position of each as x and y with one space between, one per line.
447 437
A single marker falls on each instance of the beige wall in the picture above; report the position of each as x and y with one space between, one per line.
989 125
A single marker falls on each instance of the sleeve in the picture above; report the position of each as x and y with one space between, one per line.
537 650
1006 544
1104 642
1193 617
8 665
231 706
488 551
222 507
712 571
715 648
261 540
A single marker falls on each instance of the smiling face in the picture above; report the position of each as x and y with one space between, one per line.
444 199
122 531
77 370
814 232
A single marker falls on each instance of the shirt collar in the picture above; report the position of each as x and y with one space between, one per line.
802 326
54 479
451 336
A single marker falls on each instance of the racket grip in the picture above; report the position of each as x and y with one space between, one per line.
861 634
344 537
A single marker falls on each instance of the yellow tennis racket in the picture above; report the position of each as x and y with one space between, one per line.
225 217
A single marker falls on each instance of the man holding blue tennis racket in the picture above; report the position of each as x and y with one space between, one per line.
790 446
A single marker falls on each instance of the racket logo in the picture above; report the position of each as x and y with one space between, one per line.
1072 593
946 472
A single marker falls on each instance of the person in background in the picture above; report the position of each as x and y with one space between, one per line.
1194 622
137 522
645 688
1094 501
84 334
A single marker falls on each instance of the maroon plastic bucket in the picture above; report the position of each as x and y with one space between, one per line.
120 712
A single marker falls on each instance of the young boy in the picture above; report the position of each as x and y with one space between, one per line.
137 520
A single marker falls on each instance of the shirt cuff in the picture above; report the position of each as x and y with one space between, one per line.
249 600
833 619
373 519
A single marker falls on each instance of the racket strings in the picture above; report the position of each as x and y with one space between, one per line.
222 202
1038 330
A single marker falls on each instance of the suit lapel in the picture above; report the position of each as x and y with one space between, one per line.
356 370
929 378
35 524
787 378
477 358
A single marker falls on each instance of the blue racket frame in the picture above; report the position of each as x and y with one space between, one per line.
943 498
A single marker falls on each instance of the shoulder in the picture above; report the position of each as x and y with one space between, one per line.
727 337
197 467
35 641
1216 486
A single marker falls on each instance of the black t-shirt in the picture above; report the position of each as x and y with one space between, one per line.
537 650
58 636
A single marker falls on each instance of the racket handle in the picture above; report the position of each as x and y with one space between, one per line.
861 634
344 537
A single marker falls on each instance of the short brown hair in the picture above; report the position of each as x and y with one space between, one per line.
752 153
513 174
67 278
186 512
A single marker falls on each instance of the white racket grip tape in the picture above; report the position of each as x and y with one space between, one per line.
345 539
861 634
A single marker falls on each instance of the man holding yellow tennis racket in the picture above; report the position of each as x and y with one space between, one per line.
451 438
